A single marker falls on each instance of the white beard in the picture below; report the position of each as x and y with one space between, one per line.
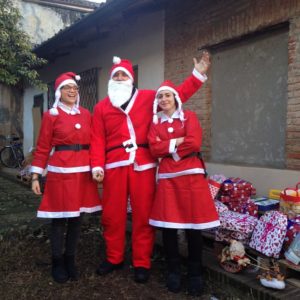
119 91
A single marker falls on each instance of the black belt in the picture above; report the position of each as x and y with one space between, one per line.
75 147
127 146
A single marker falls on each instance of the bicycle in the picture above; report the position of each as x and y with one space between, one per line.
11 155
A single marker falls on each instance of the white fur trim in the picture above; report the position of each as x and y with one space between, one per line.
67 214
54 111
65 82
116 60
172 146
198 75
181 173
56 169
164 224
140 168
121 69
37 170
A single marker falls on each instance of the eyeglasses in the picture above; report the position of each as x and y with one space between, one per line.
69 88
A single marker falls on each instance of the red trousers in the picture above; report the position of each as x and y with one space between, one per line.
121 184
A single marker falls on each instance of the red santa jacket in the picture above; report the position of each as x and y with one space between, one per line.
112 126
183 159
63 129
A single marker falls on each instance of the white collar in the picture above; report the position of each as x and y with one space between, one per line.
70 111
165 118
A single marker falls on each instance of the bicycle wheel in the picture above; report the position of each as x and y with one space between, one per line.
7 158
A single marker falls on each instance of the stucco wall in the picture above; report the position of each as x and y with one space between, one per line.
141 41
41 22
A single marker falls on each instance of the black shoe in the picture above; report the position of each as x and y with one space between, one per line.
107 267
141 274
59 272
70 267
174 282
195 286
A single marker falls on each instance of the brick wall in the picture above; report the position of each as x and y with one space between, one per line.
194 24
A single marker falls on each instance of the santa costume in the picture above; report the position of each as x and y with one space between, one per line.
183 199
120 148
63 148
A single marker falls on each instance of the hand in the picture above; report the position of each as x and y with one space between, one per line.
98 176
179 141
203 65
35 186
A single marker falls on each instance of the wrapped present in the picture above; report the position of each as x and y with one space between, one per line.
214 183
225 235
293 229
269 233
236 189
268 204
237 222
244 207
220 207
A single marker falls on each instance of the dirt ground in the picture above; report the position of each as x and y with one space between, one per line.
25 271
25 259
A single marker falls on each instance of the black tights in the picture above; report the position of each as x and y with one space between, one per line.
194 241
57 235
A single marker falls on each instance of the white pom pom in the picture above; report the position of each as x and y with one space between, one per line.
77 77
54 111
116 60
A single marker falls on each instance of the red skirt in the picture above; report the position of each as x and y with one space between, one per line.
68 195
184 202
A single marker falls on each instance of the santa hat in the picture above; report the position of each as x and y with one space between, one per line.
62 80
167 86
124 65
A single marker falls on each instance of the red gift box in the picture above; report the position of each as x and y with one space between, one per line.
244 207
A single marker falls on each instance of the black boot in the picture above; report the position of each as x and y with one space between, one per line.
141 274
59 272
173 276
70 267
195 281
107 267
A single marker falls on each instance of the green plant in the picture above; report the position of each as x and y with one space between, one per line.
17 61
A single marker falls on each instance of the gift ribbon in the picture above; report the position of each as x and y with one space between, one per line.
268 228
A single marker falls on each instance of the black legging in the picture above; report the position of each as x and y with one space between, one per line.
194 240
57 235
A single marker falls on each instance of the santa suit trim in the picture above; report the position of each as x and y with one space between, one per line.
184 225
185 172
198 75
144 167
124 163
121 163
37 170
131 102
68 170
67 214
172 146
